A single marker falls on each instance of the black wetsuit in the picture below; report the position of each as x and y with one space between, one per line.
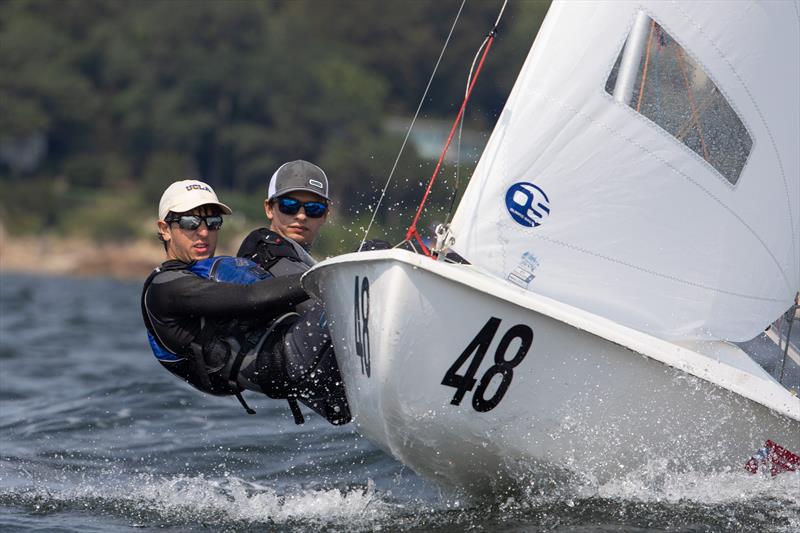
266 336
180 303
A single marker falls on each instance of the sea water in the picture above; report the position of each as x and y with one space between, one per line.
96 436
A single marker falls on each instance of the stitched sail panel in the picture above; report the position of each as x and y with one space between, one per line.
583 198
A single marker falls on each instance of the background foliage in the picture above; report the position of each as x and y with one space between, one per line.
103 103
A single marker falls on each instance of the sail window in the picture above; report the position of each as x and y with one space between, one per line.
655 76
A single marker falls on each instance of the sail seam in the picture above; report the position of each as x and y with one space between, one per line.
603 125
763 122
653 272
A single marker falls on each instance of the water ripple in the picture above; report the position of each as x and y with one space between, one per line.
95 436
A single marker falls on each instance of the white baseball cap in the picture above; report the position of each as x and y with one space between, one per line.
185 195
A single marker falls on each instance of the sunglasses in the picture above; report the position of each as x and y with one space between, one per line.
192 222
290 206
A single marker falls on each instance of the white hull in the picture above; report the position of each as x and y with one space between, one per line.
588 396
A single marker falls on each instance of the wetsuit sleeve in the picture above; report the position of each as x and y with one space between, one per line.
182 293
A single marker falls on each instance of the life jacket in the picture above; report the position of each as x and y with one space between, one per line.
277 255
190 365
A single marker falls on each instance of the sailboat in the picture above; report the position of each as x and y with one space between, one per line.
635 214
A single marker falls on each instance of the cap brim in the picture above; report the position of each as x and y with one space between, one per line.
188 206
286 191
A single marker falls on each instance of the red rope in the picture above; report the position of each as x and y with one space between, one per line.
412 229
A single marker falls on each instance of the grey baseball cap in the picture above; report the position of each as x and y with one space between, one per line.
298 176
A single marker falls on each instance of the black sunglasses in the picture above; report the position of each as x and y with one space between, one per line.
192 222
290 206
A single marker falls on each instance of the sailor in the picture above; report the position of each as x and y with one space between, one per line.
297 205
225 324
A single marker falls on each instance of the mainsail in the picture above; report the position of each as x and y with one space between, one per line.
646 167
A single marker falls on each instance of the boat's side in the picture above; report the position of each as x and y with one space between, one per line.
463 384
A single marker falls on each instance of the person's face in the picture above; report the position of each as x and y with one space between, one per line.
299 227
189 245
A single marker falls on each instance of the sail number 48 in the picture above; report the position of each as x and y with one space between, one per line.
361 322
476 350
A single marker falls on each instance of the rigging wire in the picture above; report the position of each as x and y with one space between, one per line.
695 113
460 130
412 232
411 126
461 124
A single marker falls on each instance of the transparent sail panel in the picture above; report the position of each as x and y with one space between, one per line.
655 76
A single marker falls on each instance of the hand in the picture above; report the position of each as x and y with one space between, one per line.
374 244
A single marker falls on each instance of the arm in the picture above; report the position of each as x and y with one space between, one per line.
181 293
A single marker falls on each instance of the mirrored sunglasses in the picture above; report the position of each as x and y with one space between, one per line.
290 206
192 222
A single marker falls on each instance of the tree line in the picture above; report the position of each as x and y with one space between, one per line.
106 101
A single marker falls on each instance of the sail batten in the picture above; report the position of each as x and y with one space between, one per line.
673 210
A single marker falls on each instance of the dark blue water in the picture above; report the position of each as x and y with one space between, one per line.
95 436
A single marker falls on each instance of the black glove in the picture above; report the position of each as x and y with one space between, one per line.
374 244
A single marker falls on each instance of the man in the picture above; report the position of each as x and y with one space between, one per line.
297 206
225 324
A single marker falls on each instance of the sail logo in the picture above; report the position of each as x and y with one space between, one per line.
527 204
523 274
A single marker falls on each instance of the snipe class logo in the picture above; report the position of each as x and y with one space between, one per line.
527 204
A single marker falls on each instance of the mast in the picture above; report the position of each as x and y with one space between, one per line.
631 57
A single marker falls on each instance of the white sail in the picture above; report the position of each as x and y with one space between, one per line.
680 218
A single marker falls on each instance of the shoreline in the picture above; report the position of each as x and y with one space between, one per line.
77 257
49 254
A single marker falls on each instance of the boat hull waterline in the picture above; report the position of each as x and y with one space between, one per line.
453 377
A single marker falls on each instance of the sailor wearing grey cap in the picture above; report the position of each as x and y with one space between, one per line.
297 202
297 206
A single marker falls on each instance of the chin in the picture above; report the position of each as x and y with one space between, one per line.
299 238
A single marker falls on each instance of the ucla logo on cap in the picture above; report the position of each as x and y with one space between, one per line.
198 187
527 204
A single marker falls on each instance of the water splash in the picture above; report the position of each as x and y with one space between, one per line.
227 503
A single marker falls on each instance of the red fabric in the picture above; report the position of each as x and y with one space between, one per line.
781 459
778 458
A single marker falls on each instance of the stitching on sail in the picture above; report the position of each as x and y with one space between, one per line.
763 122
603 125
653 272
707 72
674 140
